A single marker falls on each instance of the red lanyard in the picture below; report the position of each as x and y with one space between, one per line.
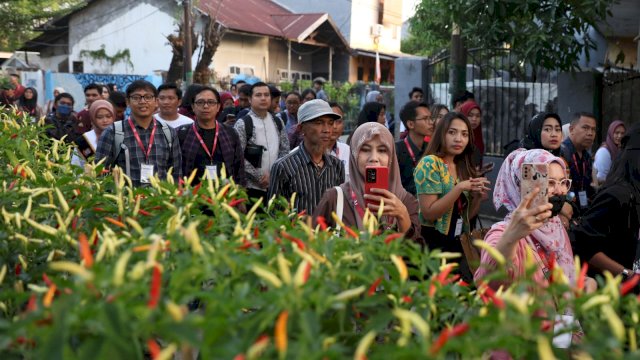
413 156
147 151
204 146
584 170
356 205
543 257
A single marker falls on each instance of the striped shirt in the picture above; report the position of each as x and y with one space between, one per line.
296 173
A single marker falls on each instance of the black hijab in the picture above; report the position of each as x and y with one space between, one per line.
370 112
533 138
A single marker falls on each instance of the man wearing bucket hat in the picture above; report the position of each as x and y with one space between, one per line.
308 170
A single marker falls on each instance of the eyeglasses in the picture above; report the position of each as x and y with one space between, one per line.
139 98
565 184
427 118
202 103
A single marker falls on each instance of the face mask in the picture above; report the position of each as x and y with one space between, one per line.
557 201
64 109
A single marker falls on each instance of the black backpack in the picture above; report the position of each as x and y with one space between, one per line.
252 152
248 125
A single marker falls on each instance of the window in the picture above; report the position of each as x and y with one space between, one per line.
234 70
78 66
360 73
380 11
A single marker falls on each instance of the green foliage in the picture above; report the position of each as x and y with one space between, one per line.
123 56
21 17
262 285
541 33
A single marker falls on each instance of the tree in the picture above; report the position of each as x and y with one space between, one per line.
176 41
552 33
20 18
211 36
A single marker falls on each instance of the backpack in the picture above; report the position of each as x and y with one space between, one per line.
248 125
118 142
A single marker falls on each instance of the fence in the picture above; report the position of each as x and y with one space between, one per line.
620 92
508 92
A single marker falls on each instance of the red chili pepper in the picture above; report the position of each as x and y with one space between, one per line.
256 232
31 305
98 209
432 289
582 276
392 237
407 299
628 285
239 357
350 232
18 269
322 222
307 272
23 340
492 296
374 286
156 283
293 239
74 223
154 348
46 279
13 136
235 202
246 244
279 241
463 283
13 184
442 276
207 199
446 334
208 227
85 251
546 325
144 212
460 329
195 189
302 213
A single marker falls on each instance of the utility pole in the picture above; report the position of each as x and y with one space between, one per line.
458 71
186 30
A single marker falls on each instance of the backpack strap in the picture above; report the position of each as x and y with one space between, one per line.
339 205
167 133
118 146
248 126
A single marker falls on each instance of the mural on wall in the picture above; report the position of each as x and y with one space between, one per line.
121 81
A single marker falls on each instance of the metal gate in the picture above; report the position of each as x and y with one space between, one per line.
620 97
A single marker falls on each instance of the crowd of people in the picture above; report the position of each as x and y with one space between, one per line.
276 144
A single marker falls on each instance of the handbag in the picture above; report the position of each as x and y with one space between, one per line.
472 252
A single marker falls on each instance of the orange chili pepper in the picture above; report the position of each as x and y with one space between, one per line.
280 335
48 297
350 232
392 237
156 283
582 276
85 251
154 348
293 239
372 288
195 189
115 222
307 272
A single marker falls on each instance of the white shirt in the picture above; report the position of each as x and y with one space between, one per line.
181 120
343 155
602 163
266 135
92 139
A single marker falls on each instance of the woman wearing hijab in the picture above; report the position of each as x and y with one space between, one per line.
526 227
372 112
472 111
28 103
607 236
609 150
102 115
544 132
372 144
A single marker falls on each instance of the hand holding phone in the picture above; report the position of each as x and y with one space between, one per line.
375 177
534 176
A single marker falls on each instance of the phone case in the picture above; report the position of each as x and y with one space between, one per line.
535 176
376 177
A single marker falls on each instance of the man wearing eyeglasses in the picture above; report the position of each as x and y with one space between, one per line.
208 145
263 140
416 117
141 145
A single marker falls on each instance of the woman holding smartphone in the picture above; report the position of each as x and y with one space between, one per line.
448 190
372 145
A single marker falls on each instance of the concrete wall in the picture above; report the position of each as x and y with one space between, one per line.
409 73
118 25
577 92
367 16
245 51
278 58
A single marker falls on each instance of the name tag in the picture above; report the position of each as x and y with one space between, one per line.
458 228
212 171
582 197
146 173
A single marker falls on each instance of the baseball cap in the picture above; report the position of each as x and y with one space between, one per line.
313 109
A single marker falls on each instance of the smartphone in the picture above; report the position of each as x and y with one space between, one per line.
535 176
376 177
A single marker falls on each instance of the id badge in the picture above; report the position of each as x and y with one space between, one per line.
458 227
582 197
212 171
146 172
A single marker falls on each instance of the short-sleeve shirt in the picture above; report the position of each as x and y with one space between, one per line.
432 177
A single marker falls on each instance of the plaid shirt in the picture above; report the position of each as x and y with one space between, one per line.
161 157
228 145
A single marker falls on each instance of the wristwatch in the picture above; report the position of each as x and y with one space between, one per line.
626 274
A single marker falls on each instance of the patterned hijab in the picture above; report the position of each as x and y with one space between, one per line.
363 134
552 236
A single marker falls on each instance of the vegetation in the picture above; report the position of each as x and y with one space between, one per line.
91 268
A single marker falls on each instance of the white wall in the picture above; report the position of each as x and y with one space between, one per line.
367 16
140 27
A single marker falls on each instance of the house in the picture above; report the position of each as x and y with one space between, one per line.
368 26
261 38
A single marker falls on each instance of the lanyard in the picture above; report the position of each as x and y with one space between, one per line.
204 146
543 257
356 205
584 170
336 149
410 150
147 151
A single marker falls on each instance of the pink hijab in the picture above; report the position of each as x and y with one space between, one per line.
610 144
552 236
355 182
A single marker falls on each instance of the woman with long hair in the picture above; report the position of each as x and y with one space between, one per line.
607 235
28 103
609 150
449 192
372 145
438 111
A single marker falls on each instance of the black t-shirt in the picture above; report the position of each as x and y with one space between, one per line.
202 159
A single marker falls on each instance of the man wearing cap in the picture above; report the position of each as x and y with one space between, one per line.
8 95
308 171
318 86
